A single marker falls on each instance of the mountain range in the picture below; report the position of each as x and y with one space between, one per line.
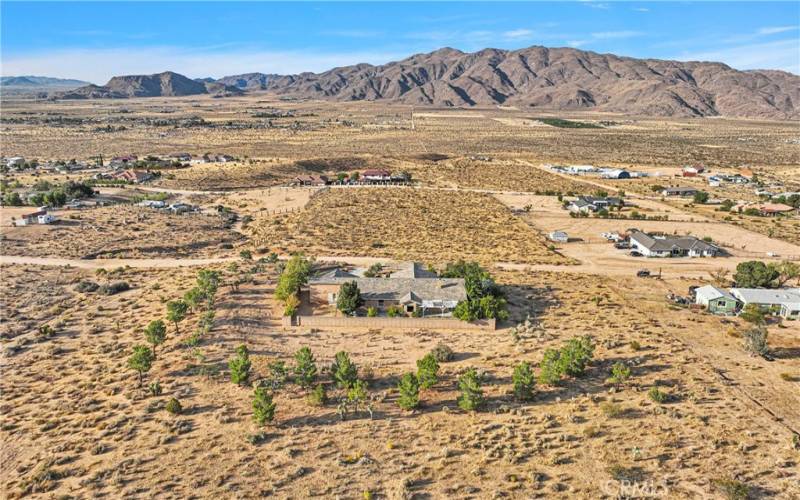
536 78
38 81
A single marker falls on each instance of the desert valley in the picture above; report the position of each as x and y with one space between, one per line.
260 290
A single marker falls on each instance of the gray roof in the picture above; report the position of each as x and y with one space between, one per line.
786 296
667 243
680 190
403 290
709 292
413 270
333 273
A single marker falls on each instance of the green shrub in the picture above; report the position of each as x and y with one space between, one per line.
349 298
113 288
240 366
86 286
732 489
550 368
174 407
372 312
524 381
155 388
318 396
357 394
635 346
141 360
305 368
155 333
443 353
610 409
576 354
409 392
427 371
657 395
620 372
471 397
344 371
263 406
394 311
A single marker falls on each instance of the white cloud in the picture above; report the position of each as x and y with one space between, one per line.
613 35
519 33
577 43
782 54
98 65
641 9
772 30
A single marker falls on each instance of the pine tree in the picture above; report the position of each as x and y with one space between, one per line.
409 392
155 333
141 360
471 393
524 381
305 369
427 371
343 370
263 406
240 366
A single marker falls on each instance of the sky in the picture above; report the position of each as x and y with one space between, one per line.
94 41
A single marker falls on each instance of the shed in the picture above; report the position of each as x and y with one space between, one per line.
558 236
716 300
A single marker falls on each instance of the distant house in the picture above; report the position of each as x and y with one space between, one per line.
716 300
784 302
580 169
692 171
413 288
181 156
765 209
152 204
685 192
714 181
310 180
134 176
558 236
670 246
615 174
593 204
376 175
15 161
38 217
118 161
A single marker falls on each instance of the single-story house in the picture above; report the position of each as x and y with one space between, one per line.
376 175
593 204
413 288
785 302
181 156
134 176
15 161
714 181
124 160
692 171
671 246
765 209
615 174
152 203
558 236
581 169
716 300
310 180
685 192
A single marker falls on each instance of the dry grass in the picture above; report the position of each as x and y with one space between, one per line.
409 224
74 420
122 231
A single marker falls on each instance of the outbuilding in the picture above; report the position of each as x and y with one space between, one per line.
558 236
716 300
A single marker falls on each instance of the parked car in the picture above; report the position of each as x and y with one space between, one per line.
643 273
634 253
622 245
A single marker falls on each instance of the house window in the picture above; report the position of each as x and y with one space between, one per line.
410 308
380 303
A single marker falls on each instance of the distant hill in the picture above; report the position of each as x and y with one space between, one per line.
23 85
534 78
166 84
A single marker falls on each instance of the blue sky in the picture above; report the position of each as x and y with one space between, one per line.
94 41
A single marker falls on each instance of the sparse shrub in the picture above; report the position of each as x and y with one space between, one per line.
635 346
755 341
344 371
610 409
113 288
46 332
394 311
372 312
155 388
732 489
174 406
409 392
524 381
576 354
263 406
443 353
318 396
471 397
240 366
427 371
620 373
246 255
278 374
657 395
141 360
357 394
86 286
305 368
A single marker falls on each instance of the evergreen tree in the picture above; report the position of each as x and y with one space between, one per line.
349 298
155 333
305 368
409 392
524 381
141 360
471 397
176 312
263 406
240 366
344 371
427 371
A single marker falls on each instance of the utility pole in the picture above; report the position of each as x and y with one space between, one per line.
412 117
